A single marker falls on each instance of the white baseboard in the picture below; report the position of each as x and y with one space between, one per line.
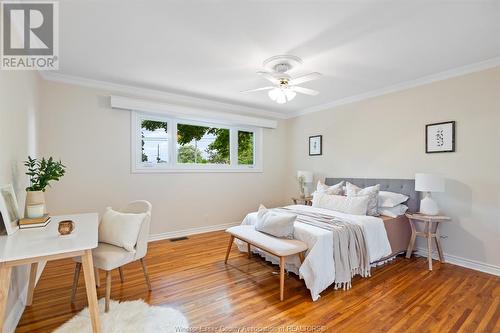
191 231
15 313
459 261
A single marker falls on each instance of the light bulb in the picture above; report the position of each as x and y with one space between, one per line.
281 98
290 94
273 94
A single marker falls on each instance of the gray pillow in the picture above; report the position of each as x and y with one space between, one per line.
370 191
275 224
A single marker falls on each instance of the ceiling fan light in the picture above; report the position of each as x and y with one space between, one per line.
281 99
290 94
274 93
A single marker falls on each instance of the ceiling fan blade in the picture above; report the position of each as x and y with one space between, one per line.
257 89
306 91
305 78
269 77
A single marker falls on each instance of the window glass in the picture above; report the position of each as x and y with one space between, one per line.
245 148
154 142
202 145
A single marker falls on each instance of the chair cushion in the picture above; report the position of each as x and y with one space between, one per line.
108 257
277 246
120 229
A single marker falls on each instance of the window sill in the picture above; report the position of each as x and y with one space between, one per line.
194 170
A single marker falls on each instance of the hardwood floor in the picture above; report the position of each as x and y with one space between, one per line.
190 275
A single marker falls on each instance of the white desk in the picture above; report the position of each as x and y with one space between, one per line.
30 246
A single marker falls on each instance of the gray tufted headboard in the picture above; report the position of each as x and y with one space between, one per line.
403 186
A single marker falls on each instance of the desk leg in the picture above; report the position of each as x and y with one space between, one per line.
88 271
5 272
31 283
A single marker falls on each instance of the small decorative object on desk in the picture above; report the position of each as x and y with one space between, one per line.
9 211
39 222
66 227
35 211
41 172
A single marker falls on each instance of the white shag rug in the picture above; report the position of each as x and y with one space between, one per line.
128 317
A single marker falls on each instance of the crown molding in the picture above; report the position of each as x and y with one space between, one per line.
160 95
448 74
242 109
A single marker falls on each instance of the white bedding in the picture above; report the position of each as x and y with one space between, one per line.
318 269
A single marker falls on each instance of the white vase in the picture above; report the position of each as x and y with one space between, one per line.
34 198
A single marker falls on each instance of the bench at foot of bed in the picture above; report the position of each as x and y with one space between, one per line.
279 247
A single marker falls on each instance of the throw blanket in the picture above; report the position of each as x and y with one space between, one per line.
349 246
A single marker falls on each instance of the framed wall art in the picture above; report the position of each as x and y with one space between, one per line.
9 210
440 137
315 145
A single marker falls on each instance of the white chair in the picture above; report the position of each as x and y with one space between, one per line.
108 257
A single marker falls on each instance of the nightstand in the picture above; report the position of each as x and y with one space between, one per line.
303 201
430 224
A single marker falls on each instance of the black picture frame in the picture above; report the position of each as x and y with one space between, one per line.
320 145
428 126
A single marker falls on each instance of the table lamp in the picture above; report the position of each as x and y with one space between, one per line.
427 183
304 177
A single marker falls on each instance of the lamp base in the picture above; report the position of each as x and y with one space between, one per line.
428 206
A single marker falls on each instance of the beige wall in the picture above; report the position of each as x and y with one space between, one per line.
383 137
93 140
379 137
18 129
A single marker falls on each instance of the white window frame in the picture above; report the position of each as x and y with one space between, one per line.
172 166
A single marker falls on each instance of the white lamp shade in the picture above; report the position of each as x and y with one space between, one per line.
429 182
307 175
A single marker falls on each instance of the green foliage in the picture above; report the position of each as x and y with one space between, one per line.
245 148
43 171
218 150
152 125
189 154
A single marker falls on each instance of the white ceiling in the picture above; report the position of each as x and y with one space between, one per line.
212 49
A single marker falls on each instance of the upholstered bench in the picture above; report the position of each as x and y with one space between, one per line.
279 247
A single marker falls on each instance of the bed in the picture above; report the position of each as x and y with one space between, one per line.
397 228
385 237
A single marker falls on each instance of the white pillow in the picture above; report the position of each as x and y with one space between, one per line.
339 203
275 224
120 229
370 191
336 189
393 211
390 199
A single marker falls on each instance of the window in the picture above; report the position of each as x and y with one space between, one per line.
154 135
164 144
202 145
245 148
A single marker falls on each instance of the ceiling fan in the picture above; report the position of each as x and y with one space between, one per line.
284 86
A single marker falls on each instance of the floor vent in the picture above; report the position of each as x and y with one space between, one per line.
178 239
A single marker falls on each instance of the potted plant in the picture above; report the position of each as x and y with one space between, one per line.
41 172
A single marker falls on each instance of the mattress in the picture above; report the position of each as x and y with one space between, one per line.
398 232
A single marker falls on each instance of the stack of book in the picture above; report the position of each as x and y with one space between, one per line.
34 223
